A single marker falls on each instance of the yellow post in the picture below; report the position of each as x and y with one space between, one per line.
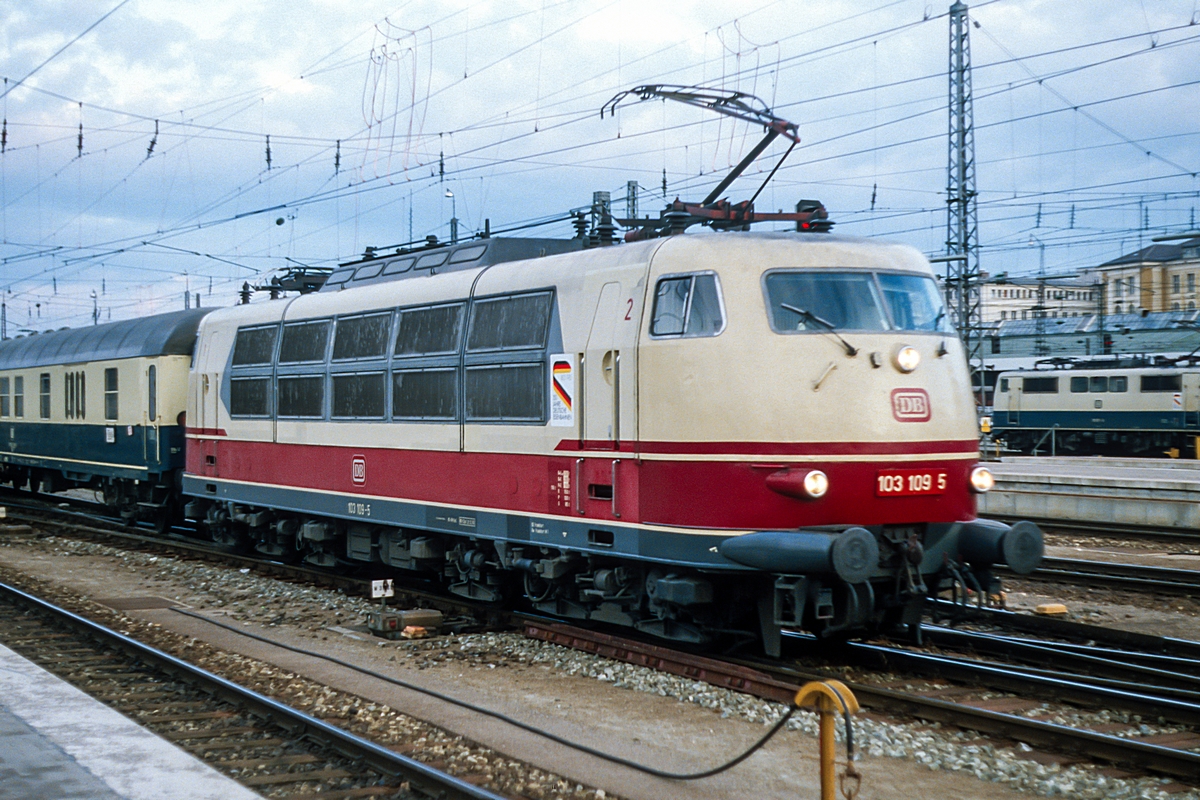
830 699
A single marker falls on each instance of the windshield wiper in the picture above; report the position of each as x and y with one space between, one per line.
851 350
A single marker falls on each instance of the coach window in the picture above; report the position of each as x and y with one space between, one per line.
1118 383
19 396
687 305
254 346
359 395
248 397
304 342
505 378
1040 386
44 395
1078 384
5 398
1162 383
363 336
1098 383
110 393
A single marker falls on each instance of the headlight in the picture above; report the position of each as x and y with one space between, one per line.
982 480
907 358
816 483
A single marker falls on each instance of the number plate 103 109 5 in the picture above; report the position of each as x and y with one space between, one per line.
906 482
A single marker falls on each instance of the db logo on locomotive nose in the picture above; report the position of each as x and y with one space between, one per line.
358 470
910 405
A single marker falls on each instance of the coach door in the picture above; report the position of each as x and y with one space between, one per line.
1191 399
150 426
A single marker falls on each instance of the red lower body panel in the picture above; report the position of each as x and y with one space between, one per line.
598 484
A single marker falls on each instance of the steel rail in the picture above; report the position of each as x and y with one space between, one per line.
1116 575
1067 629
1099 529
299 724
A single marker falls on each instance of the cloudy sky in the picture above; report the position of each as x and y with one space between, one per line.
1085 114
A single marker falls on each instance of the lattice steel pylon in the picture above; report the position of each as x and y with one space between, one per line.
962 219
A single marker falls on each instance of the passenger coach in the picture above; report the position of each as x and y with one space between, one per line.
100 407
689 435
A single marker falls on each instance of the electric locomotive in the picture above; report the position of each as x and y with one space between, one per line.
699 436
1144 406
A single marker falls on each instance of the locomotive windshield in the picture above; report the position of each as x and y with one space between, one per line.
861 301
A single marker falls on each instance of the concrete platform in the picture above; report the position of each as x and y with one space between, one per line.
1140 492
56 742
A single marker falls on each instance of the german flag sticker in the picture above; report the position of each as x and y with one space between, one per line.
562 391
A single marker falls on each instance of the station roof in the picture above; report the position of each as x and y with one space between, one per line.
159 335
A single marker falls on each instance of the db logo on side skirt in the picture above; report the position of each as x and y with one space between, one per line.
358 470
910 405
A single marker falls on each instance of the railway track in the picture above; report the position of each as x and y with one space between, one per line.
261 743
1099 529
774 681
1121 687
1112 575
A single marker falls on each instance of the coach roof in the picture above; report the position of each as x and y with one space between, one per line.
160 335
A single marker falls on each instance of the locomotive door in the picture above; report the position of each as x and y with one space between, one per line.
601 426
597 492
1014 402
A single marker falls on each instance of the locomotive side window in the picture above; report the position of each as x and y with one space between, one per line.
1098 383
1040 385
423 394
44 395
359 396
687 305
304 342
248 397
1162 383
362 336
301 396
254 346
1118 383
506 323
339 276
5 398
19 396
398 265
506 392
110 393
816 301
1078 384
1004 384
429 331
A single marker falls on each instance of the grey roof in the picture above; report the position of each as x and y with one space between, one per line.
159 335
1113 323
1159 253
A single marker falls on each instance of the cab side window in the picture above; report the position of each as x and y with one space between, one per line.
687 305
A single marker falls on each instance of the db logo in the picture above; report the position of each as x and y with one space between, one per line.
910 405
358 470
